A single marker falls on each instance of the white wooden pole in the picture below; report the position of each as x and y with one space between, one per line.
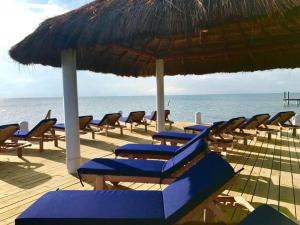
160 96
68 59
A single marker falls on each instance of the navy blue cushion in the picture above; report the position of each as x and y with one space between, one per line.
147 149
95 122
122 167
173 135
264 215
123 119
197 127
21 134
59 126
95 208
196 185
191 151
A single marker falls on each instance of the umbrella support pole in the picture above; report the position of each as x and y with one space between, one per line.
68 58
160 103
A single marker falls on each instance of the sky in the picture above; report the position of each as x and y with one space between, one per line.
18 18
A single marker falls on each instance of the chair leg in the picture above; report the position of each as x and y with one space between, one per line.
131 128
245 141
294 132
93 134
121 130
19 152
99 183
269 136
56 142
218 212
146 127
41 146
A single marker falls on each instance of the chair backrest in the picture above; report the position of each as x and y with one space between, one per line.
136 116
255 121
203 135
196 148
232 124
110 119
7 131
154 114
196 185
281 118
84 121
42 127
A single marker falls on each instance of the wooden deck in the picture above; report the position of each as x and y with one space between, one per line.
271 172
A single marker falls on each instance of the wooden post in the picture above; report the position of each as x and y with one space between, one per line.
160 103
68 61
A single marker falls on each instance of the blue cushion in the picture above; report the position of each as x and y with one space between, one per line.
194 149
173 135
149 117
22 134
59 126
95 208
123 119
196 127
95 122
147 149
196 185
122 167
264 215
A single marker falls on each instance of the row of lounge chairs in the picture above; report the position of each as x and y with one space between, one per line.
45 130
234 129
196 176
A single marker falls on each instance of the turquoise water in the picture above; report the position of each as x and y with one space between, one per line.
212 107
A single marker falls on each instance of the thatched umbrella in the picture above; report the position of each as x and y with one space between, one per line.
144 37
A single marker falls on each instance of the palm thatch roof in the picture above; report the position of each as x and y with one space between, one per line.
125 37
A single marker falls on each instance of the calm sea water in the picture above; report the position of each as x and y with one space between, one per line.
212 107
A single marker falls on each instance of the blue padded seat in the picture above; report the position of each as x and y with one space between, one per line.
196 127
149 117
21 133
124 167
158 149
131 207
123 119
173 135
95 208
96 122
59 126
145 168
147 149
264 215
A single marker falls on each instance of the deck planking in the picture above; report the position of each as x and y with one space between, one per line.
271 172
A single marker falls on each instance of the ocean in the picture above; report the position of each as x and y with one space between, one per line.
183 107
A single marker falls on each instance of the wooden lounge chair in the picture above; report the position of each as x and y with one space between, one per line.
41 133
6 133
282 121
180 203
98 171
109 121
135 118
151 151
266 215
84 126
153 115
251 125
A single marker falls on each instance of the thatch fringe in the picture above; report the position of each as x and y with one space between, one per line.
135 23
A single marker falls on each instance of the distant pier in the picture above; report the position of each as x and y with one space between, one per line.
287 99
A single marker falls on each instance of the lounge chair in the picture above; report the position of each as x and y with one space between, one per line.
150 151
251 125
135 118
6 133
266 215
179 203
84 126
153 115
109 121
41 133
99 170
282 121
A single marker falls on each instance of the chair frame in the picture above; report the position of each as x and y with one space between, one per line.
108 126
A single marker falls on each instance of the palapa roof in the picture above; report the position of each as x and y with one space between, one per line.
125 37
